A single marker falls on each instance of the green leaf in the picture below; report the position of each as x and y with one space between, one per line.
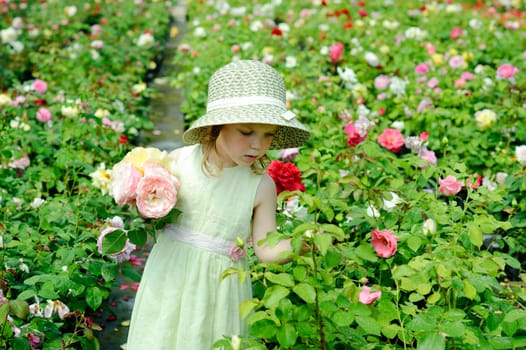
247 306
323 241
94 297
391 330
20 308
366 252
414 242
453 329
283 279
369 325
138 237
273 295
265 329
286 335
431 341
306 292
114 242
469 291
342 319
4 311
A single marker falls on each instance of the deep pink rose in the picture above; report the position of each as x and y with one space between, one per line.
384 242
236 253
455 33
156 195
335 52
507 71
366 297
43 115
354 138
449 186
392 139
39 86
123 183
421 68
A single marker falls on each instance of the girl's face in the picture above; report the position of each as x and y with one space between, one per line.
243 144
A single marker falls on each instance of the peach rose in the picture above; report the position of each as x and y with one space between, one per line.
156 195
385 243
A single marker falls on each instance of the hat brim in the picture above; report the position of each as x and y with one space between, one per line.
290 133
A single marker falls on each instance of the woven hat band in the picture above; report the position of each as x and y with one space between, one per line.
244 101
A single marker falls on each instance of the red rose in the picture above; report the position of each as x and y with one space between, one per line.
286 176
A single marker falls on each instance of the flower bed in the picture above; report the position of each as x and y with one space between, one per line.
413 178
413 174
73 97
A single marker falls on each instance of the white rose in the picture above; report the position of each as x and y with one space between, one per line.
520 153
372 59
69 111
8 35
429 227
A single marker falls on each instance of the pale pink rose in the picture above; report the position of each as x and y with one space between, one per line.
432 83
354 138
506 71
125 253
335 52
421 68
124 180
156 196
39 86
366 297
430 157
288 154
430 48
392 139
456 62
236 253
381 82
385 243
449 186
425 104
43 115
20 163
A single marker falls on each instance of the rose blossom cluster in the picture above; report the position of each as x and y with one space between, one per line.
144 179
286 176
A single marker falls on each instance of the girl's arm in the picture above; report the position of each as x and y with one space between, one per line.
264 221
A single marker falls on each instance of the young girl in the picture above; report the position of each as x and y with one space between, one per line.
182 303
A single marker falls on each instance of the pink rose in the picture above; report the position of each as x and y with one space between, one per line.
392 139
449 186
455 33
430 157
288 154
366 297
123 183
236 253
156 195
421 68
354 138
39 86
125 253
335 52
381 82
43 115
384 242
506 71
20 163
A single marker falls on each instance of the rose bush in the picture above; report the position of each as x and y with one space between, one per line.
434 71
400 96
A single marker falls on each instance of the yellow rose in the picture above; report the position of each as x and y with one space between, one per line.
485 118
139 155
437 59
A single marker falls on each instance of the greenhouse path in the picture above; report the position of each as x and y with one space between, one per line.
115 314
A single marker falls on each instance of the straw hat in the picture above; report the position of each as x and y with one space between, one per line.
248 91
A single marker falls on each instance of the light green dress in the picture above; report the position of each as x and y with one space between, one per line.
182 303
